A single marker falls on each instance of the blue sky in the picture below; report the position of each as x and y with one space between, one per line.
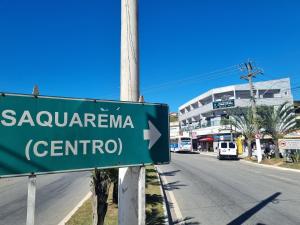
71 48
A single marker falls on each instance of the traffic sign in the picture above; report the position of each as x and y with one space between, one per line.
257 136
287 144
53 134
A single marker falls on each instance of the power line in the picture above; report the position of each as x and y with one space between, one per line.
177 83
203 76
220 73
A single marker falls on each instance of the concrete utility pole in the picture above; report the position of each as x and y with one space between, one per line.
249 76
131 179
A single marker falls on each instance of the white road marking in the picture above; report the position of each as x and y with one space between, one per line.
176 208
66 219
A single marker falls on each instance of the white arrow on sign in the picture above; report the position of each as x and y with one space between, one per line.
152 134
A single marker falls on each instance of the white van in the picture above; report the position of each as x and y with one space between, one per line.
227 149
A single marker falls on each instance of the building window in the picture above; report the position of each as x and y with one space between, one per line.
269 93
243 94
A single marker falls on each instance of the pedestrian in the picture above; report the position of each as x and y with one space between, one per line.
267 150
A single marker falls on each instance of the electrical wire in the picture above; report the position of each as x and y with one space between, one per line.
203 76
216 74
188 82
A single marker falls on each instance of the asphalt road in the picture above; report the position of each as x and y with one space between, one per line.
209 191
56 196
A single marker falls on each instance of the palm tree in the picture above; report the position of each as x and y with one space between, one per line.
242 119
277 122
114 177
100 185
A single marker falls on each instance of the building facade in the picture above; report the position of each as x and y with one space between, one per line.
297 112
202 116
174 125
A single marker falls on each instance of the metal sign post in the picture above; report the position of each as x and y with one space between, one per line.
31 185
31 200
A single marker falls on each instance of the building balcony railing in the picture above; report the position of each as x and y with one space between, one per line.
196 112
191 127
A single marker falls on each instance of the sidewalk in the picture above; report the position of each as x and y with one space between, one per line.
209 153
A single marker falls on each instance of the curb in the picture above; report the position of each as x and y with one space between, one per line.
175 208
270 166
68 217
163 193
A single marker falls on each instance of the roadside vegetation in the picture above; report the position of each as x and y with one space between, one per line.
242 120
84 215
277 122
272 122
154 205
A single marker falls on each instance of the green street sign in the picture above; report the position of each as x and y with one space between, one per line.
52 134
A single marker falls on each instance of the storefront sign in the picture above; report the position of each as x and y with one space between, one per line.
223 104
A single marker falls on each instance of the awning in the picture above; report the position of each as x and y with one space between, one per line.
206 139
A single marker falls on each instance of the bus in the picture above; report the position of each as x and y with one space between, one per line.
181 144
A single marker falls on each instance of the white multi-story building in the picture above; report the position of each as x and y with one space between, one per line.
174 125
202 115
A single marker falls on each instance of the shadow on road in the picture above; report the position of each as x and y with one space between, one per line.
186 221
169 205
246 215
170 173
173 185
187 152
230 159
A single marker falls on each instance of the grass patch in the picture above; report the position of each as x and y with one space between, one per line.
154 205
291 165
111 217
275 162
154 200
84 215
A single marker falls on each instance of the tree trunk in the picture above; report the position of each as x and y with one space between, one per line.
100 189
249 148
276 149
115 192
